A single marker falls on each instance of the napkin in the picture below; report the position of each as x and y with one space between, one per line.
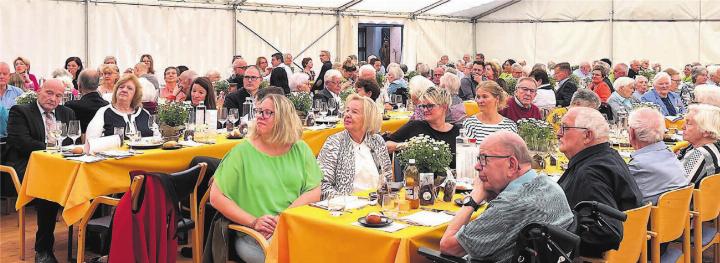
394 227
86 158
103 143
318 127
351 202
190 143
428 218
116 154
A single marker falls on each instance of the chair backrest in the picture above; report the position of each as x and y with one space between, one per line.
186 182
634 236
669 217
707 198
135 189
13 176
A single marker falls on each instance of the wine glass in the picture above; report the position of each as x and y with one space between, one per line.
54 133
323 108
316 106
398 100
332 105
154 124
222 117
73 130
131 132
63 133
233 116
390 205
336 204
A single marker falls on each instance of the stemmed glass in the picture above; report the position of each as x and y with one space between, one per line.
222 117
131 132
63 133
54 132
73 130
232 116
331 105
323 108
397 99
154 124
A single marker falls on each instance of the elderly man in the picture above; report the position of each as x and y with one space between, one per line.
585 98
251 81
444 59
239 66
512 188
641 86
583 72
184 84
332 89
566 88
622 99
367 72
468 84
634 68
326 65
213 75
596 172
713 75
654 167
517 71
279 77
466 59
670 103
520 106
86 107
29 127
8 92
620 70
438 72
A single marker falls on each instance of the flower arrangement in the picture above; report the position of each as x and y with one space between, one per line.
648 73
646 104
221 86
411 74
264 84
172 114
510 83
27 97
536 133
346 92
380 79
302 101
430 155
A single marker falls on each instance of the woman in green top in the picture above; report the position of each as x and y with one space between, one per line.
269 172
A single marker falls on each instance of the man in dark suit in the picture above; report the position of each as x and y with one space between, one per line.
566 88
331 90
86 107
327 65
279 76
28 127
239 66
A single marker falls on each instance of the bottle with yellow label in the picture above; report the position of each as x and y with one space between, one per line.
412 184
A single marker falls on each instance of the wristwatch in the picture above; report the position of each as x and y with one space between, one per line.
469 201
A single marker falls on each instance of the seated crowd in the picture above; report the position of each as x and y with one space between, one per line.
274 169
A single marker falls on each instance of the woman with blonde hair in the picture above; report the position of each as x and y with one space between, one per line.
109 75
22 67
260 177
125 110
355 158
451 83
491 98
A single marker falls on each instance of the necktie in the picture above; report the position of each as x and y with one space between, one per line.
49 126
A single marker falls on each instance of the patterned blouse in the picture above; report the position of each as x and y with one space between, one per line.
337 162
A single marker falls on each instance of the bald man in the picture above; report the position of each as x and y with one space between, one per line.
512 188
28 127
8 93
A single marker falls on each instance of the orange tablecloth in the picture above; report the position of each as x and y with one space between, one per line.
310 234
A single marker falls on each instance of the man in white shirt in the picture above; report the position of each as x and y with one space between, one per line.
583 72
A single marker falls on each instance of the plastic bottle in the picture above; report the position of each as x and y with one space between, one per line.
200 113
247 108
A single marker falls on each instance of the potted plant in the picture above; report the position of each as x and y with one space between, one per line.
302 102
539 136
431 156
172 116
221 86
27 97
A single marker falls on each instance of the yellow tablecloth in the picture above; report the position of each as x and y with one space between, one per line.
310 234
471 108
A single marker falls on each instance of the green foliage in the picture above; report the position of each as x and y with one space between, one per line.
172 114
302 101
536 133
648 73
221 86
346 92
411 74
26 98
264 84
430 155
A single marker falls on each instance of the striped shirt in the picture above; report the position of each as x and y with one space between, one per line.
478 130
700 162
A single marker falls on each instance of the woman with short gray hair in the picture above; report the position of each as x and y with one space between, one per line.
585 98
451 83
622 99
702 129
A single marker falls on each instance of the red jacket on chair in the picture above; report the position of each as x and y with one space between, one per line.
148 234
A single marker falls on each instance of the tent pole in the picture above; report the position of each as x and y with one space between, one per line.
338 37
234 40
87 32
474 37
612 30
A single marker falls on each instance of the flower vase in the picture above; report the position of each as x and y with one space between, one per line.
171 133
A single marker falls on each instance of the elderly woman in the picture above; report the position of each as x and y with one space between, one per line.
396 80
213 75
434 103
598 84
491 98
110 74
125 109
451 83
707 94
110 60
699 76
74 66
22 67
203 91
622 99
641 86
171 83
418 85
354 159
702 129
670 103
262 176
299 82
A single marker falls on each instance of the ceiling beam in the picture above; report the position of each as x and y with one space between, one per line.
428 8
498 8
347 5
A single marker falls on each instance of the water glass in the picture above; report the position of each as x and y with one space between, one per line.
390 205
336 204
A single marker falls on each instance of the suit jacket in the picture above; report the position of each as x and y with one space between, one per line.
325 96
279 78
26 133
86 107
236 99
320 81
564 93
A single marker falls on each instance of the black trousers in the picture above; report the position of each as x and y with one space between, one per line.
47 212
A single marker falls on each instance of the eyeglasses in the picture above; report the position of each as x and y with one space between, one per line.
564 127
528 90
428 106
482 158
251 78
241 67
264 113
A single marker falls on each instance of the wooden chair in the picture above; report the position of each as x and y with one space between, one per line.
21 212
259 238
633 247
706 208
670 220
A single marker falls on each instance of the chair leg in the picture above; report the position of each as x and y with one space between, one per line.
21 224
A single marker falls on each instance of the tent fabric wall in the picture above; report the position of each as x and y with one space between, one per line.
552 10
657 10
31 36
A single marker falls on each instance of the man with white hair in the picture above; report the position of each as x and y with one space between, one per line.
707 94
622 99
583 72
8 92
641 86
367 72
585 98
466 59
654 167
184 84
520 106
596 172
620 70
634 69
331 90
714 75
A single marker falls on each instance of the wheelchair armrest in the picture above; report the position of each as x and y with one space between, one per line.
437 256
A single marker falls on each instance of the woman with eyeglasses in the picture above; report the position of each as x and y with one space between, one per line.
271 171
702 129
490 98
598 84
110 74
434 105
354 159
171 83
